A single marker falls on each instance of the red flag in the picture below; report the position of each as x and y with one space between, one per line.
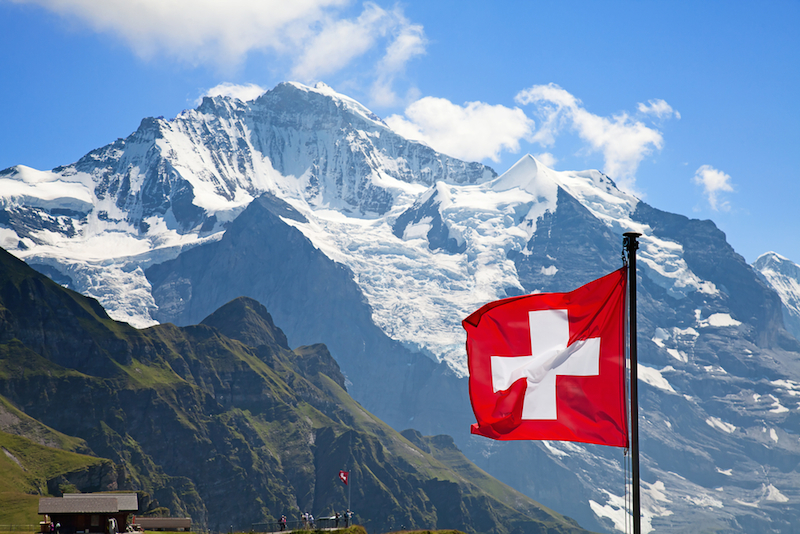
343 475
551 365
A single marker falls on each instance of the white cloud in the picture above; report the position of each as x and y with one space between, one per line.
409 43
339 42
316 36
659 108
623 141
551 100
714 181
547 159
198 31
243 92
474 131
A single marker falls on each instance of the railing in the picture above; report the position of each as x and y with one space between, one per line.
318 524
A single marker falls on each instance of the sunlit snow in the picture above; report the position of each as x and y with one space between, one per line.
719 424
718 320
654 377
653 504
773 494
43 189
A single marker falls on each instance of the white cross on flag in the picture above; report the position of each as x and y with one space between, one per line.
551 365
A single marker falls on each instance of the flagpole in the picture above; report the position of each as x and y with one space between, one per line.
631 245
348 476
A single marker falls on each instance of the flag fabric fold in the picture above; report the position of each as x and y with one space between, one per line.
551 366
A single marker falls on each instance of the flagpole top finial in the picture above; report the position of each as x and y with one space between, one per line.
629 242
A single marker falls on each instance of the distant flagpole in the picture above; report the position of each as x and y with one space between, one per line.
348 475
631 245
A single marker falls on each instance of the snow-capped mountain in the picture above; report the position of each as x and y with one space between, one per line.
783 276
379 247
175 183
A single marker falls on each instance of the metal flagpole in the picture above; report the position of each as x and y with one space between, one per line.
348 476
631 245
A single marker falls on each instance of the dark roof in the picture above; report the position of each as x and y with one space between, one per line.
126 502
86 505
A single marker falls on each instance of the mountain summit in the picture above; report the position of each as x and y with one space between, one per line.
783 276
306 202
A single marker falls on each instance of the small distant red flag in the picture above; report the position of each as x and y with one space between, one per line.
343 476
551 365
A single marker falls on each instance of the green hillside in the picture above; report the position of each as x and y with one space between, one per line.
26 468
220 421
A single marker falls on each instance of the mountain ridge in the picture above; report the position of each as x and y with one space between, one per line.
236 434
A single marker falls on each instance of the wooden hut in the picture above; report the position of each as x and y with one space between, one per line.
88 513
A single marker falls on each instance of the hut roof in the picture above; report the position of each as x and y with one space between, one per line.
126 502
86 505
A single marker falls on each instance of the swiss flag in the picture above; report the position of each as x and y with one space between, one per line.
343 476
551 365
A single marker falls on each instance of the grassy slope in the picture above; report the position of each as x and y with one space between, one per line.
26 463
14 421
25 467
445 463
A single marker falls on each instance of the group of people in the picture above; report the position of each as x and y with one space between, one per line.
307 520
348 517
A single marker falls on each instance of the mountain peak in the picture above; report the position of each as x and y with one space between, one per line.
770 258
248 321
344 102
531 175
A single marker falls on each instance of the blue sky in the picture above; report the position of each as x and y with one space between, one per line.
693 106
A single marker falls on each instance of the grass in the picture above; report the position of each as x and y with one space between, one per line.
18 509
25 468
